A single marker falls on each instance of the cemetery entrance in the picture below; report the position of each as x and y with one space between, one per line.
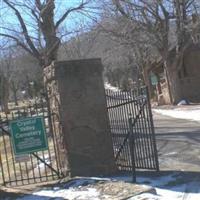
31 148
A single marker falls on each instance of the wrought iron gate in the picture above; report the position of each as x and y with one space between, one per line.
132 129
38 166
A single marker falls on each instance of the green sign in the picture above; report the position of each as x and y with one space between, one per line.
28 135
154 79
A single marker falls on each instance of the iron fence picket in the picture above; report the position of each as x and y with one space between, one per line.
123 108
42 165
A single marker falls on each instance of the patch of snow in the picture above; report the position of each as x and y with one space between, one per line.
157 181
70 190
165 191
99 179
69 194
41 165
179 193
163 194
143 180
189 191
183 102
147 196
170 153
86 181
188 114
110 87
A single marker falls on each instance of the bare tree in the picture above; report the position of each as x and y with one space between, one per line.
15 87
130 41
5 67
156 18
37 26
15 67
81 45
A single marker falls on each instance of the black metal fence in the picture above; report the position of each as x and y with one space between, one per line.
35 167
132 129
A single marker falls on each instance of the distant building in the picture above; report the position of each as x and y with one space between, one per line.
188 77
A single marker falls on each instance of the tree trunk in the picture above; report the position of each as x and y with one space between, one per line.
14 90
5 95
147 80
49 31
174 83
15 97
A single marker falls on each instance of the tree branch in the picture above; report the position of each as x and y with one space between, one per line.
25 31
18 43
81 6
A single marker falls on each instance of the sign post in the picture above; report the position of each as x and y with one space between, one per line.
28 135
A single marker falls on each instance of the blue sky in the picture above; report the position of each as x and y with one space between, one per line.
8 18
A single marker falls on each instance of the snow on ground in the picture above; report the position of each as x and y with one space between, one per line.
70 191
71 194
110 87
174 193
167 188
182 112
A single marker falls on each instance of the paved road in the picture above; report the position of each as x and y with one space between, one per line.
178 143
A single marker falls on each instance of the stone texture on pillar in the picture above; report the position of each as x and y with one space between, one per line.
84 117
53 103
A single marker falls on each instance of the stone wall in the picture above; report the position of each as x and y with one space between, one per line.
79 90
190 88
190 79
163 98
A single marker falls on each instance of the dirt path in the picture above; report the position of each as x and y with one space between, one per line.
178 143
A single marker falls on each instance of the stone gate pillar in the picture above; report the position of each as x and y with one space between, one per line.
84 117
